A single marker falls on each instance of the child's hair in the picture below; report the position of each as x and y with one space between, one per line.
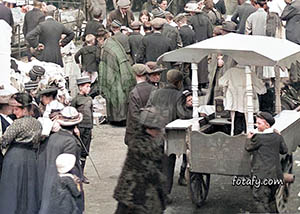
90 38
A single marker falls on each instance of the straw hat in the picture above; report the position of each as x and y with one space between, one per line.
65 162
69 116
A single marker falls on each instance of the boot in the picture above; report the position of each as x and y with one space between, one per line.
181 179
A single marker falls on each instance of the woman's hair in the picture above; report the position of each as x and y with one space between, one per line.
24 99
35 111
146 13
52 94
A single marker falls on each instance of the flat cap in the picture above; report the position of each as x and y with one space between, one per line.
151 117
229 26
174 76
267 117
140 69
154 68
136 25
158 22
116 23
83 80
123 3
157 13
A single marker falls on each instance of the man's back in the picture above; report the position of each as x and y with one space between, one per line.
242 13
32 19
5 14
202 26
92 27
256 23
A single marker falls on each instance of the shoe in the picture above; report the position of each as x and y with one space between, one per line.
85 180
169 199
182 181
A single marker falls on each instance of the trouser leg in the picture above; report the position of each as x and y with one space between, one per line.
170 172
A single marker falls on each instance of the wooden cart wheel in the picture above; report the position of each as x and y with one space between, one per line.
198 187
282 193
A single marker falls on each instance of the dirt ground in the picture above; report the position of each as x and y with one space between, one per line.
108 152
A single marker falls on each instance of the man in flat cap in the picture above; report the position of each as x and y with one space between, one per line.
154 75
47 38
154 44
122 13
138 99
169 101
135 39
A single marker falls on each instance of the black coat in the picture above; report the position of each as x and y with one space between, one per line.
135 40
92 28
88 56
173 35
187 35
291 14
138 99
6 15
202 26
49 33
32 19
266 160
58 143
240 15
152 47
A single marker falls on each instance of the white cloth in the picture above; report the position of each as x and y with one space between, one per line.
256 23
53 105
5 51
234 82
269 72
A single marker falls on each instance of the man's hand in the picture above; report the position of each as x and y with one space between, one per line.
250 135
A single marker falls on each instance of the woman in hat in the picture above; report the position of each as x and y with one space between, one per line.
63 141
19 185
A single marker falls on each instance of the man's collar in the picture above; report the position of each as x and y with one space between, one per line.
49 17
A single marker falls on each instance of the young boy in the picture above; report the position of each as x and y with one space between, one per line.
88 53
84 104
265 147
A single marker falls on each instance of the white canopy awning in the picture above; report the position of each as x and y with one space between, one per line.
245 49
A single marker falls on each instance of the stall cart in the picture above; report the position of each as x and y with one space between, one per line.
211 151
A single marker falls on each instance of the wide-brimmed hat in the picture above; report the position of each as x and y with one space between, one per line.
140 69
116 23
37 70
65 162
154 68
158 22
136 25
123 3
151 117
20 100
174 76
31 85
229 26
48 89
266 116
69 116
83 80
192 7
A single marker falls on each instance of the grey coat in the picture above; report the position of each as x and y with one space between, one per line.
291 14
202 26
240 15
135 40
49 34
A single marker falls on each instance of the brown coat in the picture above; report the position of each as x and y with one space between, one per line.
116 14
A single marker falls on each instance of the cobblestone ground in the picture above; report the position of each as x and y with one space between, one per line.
108 152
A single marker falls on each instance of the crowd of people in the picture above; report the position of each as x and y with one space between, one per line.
46 141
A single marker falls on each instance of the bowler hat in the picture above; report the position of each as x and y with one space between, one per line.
267 117
83 80
140 69
123 3
69 116
229 26
65 162
152 118
174 76
158 22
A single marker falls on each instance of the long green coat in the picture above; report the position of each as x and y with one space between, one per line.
116 79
